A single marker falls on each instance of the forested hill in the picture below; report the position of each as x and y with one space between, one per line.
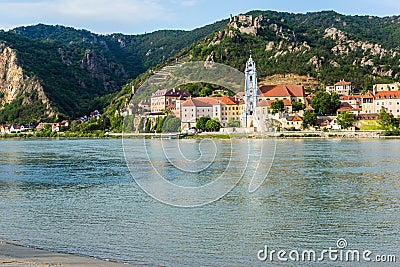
79 71
325 45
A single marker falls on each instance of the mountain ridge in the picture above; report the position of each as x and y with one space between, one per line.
81 71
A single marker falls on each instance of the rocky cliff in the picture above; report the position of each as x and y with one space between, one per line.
15 85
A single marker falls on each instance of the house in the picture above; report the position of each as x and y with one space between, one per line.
340 88
388 99
195 108
161 99
55 127
367 105
264 106
227 109
15 129
333 125
224 109
346 107
388 87
4 129
283 92
95 114
291 122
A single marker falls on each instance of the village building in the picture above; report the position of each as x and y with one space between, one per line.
286 93
367 105
166 98
291 122
224 109
387 87
4 129
340 88
389 100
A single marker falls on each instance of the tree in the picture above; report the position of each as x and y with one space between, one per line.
213 125
325 103
297 106
309 118
277 106
233 123
388 123
171 124
345 119
201 123
206 91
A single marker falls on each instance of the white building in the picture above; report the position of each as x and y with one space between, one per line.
387 87
390 100
340 88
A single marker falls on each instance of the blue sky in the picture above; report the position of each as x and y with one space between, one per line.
140 16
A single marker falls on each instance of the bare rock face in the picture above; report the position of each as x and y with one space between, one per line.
96 64
14 83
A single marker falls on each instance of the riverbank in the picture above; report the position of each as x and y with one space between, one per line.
12 255
220 135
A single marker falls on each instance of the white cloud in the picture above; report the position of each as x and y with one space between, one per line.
83 12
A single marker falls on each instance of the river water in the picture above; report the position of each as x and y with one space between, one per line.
78 196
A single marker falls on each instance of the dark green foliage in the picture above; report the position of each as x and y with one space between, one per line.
201 123
277 106
233 123
81 71
206 92
171 124
325 103
289 55
345 119
213 125
388 123
148 126
309 118
16 113
297 106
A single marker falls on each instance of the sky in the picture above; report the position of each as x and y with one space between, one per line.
141 16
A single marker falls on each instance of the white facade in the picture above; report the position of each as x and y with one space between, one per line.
389 100
251 96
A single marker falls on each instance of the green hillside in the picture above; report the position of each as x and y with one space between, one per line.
81 71
366 49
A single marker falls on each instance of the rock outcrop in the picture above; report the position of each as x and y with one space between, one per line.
14 83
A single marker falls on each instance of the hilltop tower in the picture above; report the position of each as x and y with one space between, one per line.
251 93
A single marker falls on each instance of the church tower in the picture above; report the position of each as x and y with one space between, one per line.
251 93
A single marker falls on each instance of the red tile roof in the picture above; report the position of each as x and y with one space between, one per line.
282 91
267 103
343 83
227 100
387 95
171 92
200 102
368 95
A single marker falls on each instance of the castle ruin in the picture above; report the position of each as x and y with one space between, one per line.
245 23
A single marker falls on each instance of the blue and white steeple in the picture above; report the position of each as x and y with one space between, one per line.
251 89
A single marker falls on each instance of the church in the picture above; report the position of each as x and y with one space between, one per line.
251 118
257 100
